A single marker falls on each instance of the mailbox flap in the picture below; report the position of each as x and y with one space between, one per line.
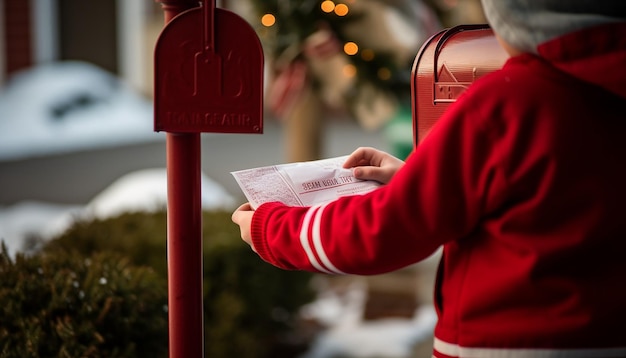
208 74
446 65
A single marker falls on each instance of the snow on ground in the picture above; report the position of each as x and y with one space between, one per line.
144 190
71 106
349 335
381 338
19 221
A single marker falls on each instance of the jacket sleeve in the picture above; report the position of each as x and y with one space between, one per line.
435 198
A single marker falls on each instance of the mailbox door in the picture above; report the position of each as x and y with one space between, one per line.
446 65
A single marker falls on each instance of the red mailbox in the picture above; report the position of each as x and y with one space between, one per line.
209 74
446 65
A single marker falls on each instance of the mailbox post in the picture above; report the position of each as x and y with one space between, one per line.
208 78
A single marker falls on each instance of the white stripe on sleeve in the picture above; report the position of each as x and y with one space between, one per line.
454 350
317 243
304 240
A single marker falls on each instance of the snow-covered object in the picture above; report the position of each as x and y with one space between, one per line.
146 190
67 106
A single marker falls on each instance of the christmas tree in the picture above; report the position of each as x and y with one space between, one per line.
353 53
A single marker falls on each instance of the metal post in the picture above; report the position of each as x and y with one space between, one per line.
184 245
184 232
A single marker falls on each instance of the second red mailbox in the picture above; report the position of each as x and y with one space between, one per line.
446 65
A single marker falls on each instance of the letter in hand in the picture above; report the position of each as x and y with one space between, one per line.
373 164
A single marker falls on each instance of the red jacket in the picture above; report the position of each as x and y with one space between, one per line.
523 181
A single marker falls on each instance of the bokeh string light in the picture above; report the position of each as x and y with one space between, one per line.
287 26
328 6
268 20
351 48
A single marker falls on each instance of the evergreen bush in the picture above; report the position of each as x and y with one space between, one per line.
68 305
249 306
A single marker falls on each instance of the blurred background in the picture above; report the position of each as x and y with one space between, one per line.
77 75
76 83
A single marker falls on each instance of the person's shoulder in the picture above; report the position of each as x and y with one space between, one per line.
517 73
502 95
521 79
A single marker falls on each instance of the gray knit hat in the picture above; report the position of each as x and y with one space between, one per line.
525 24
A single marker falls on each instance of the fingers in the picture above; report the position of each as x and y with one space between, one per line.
378 174
242 216
373 164
361 156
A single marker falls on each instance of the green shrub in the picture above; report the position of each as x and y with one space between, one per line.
249 306
66 305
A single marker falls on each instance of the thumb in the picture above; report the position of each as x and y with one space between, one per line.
370 173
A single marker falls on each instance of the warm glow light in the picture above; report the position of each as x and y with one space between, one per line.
367 54
350 48
384 73
328 6
341 9
268 20
349 70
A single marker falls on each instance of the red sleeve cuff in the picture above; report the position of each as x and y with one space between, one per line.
258 231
